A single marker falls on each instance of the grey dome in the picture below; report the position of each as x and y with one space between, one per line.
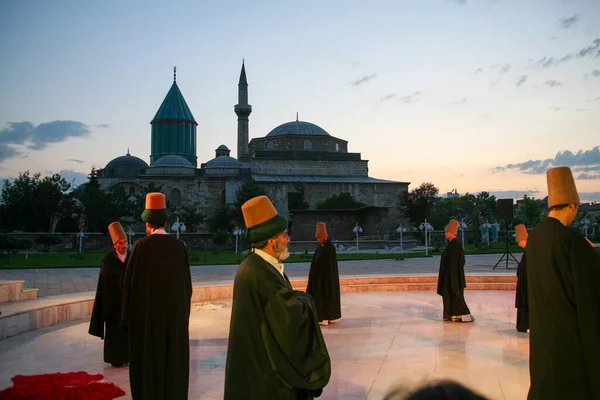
298 128
222 147
126 162
173 160
224 162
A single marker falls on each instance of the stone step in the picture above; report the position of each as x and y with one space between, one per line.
11 291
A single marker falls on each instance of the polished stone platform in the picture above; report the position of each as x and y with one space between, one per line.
384 339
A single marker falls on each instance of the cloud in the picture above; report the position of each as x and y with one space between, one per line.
592 51
461 2
103 126
73 177
552 83
581 109
479 70
458 102
595 73
411 98
505 68
595 99
513 194
521 80
74 160
556 108
38 137
388 97
584 163
569 22
7 152
589 196
364 79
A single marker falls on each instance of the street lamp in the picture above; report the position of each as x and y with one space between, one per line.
401 229
487 227
80 236
585 222
237 232
462 231
130 234
426 226
357 229
178 227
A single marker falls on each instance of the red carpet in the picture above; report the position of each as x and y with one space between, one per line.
59 386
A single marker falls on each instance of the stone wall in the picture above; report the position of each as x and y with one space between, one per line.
311 167
296 142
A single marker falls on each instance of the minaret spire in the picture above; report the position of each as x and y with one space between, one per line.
296 116
243 110
174 74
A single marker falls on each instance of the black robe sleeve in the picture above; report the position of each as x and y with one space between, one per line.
521 297
98 318
129 274
294 342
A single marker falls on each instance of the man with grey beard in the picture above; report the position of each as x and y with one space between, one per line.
275 349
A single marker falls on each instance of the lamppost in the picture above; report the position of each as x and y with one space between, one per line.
487 227
426 226
178 227
462 231
401 229
130 234
585 222
357 229
80 236
237 232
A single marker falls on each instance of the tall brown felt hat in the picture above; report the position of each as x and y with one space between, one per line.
156 209
116 232
561 187
321 230
521 233
262 220
452 226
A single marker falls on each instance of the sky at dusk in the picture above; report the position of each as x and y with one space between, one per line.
470 95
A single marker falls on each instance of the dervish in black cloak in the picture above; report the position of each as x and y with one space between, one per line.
521 297
563 279
324 279
451 279
276 349
106 314
157 293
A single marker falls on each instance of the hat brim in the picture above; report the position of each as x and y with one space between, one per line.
266 230
155 217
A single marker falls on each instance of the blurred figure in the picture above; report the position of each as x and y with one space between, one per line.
445 390
563 282
106 315
451 280
521 299
324 279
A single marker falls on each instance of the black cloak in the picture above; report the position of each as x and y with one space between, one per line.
324 282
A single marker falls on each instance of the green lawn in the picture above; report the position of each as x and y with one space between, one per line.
92 260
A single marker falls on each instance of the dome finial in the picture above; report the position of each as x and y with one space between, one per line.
296 116
174 74
128 152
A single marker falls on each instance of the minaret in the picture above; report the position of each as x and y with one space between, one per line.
243 110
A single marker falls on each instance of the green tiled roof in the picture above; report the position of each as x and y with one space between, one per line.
174 106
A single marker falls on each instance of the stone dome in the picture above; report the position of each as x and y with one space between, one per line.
125 166
173 160
222 147
300 128
224 162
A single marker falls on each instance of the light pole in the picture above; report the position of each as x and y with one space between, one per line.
586 222
401 229
426 226
80 236
130 234
237 232
178 227
357 229
487 227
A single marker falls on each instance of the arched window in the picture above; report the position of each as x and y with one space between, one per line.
337 147
270 146
175 197
307 145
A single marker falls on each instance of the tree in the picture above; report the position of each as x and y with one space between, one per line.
342 201
245 192
420 201
222 219
192 217
296 199
529 212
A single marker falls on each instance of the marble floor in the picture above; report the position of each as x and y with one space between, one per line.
385 339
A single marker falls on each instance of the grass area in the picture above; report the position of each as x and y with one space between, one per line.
92 260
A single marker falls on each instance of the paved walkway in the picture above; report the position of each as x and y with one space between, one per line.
50 282
384 340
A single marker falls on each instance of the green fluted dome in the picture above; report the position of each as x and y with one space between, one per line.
174 106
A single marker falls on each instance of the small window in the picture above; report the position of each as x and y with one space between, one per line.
337 147
175 197
307 145
270 146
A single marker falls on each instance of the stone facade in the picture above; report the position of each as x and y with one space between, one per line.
310 167
293 142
